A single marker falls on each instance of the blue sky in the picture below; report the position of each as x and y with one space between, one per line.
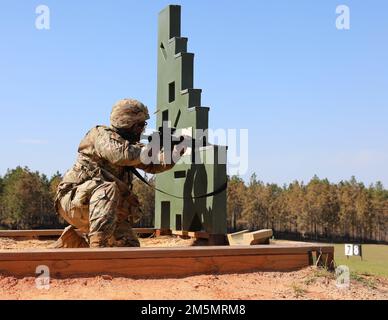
314 98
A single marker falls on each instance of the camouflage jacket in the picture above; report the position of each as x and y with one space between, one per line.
104 155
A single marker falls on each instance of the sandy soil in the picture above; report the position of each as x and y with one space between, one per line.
309 283
162 241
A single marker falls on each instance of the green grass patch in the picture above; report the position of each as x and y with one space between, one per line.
374 262
298 290
319 273
364 279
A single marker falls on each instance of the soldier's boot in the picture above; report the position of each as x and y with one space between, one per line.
125 236
98 240
126 242
70 239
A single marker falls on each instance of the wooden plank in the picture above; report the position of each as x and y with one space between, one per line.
160 262
250 238
176 252
236 238
160 267
258 237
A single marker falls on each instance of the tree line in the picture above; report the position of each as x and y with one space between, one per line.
27 200
318 210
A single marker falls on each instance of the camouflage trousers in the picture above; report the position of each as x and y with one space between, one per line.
104 212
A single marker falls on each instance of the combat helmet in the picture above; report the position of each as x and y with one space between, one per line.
127 112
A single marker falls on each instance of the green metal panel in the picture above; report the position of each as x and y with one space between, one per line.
179 103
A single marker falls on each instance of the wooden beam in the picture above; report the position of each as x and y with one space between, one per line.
158 262
160 268
145 252
250 238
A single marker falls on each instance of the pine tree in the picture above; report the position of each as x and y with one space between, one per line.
26 200
235 203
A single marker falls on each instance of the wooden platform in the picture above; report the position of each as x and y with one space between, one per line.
162 262
158 262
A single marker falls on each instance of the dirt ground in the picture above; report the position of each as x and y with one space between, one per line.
309 283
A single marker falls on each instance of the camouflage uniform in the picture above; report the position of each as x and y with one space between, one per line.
95 196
